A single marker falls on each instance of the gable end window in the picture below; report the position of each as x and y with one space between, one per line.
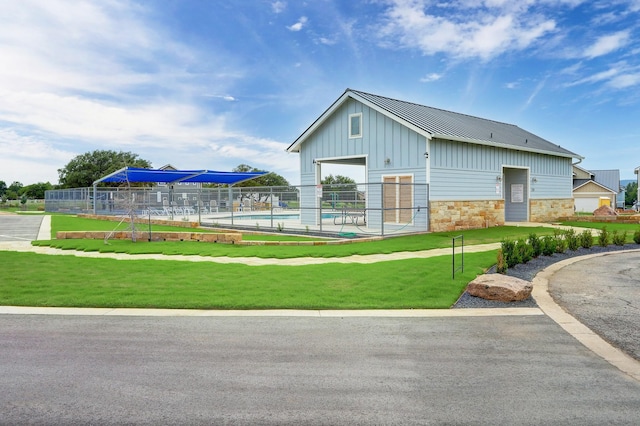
355 125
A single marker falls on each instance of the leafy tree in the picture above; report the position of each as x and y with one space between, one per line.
3 188
339 188
86 168
15 187
270 179
631 193
338 180
36 190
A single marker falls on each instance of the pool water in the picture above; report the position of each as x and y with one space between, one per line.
276 216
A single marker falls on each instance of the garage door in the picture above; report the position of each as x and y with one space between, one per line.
586 205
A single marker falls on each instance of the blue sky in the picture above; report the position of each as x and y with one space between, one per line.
214 84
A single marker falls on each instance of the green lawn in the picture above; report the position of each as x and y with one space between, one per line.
629 228
389 245
61 222
41 280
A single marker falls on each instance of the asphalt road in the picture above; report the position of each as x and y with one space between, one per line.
19 227
263 370
150 370
603 293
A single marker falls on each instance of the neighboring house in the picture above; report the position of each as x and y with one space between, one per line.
595 188
178 185
637 172
470 172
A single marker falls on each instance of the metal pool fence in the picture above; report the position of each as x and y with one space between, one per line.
346 210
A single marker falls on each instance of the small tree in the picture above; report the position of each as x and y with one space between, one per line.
501 265
603 237
586 239
631 193
536 244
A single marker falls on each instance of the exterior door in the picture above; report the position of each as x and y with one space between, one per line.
516 195
398 199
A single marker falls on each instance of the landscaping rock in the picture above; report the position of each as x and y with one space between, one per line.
500 287
604 211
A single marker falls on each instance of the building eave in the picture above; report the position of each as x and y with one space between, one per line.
506 146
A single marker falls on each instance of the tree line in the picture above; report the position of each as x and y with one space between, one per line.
86 168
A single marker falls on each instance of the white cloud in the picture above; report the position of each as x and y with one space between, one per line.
607 44
298 25
464 29
598 77
327 41
278 6
79 75
29 159
624 81
620 75
431 77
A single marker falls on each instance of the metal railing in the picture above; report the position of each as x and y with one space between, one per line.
453 256
352 210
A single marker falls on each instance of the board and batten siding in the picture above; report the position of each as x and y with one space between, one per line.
382 138
464 171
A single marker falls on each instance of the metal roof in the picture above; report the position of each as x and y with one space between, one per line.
133 174
442 124
608 178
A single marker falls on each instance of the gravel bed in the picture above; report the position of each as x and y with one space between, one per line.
527 271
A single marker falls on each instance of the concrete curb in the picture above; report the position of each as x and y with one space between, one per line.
386 313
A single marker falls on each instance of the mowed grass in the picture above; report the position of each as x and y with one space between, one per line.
68 281
386 246
39 280
61 222
629 228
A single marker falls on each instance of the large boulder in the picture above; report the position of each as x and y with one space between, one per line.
605 211
500 287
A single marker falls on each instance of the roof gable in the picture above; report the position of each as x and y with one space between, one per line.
437 123
591 186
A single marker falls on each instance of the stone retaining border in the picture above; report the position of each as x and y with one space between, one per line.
208 237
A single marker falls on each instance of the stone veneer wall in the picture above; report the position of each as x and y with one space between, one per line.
549 210
459 215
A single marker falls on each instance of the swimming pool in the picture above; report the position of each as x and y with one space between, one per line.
292 216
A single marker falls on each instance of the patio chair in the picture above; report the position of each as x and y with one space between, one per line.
175 208
213 206
187 209
166 207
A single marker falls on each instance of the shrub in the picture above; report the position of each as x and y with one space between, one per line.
604 237
619 238
501 265
561 243
548 245
636 237
572 239
510 254
524 250
586 239
536 244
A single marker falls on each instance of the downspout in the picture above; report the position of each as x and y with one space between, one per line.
427 155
